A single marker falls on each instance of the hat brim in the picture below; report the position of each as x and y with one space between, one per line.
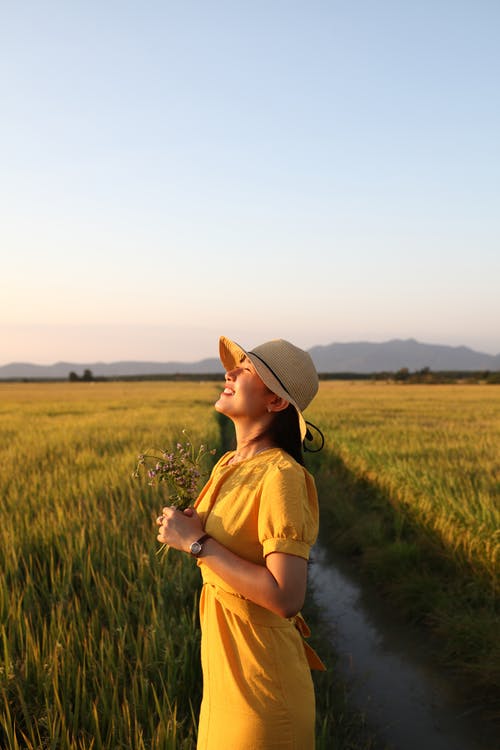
232 354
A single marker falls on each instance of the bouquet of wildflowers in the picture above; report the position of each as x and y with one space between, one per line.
180 469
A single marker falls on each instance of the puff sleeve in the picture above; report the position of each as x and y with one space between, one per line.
288 511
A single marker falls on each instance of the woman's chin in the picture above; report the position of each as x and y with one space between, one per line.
218 406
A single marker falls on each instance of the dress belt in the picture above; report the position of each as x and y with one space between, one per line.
248 610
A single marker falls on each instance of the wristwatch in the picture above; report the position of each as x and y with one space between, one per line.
196 547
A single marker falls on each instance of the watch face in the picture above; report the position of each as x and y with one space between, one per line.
195 548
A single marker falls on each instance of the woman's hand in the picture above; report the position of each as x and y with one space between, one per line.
179 529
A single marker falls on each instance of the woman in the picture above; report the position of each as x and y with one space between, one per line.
251 531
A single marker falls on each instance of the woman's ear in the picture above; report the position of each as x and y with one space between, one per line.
278 404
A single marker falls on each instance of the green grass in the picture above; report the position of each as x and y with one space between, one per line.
99 638
99 635
409 487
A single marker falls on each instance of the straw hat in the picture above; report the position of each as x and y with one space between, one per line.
287 371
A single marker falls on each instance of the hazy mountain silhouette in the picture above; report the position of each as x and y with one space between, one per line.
356 357
109 369
390 356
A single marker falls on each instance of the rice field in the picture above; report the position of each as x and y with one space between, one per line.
410 487
434 450
98 634
99 638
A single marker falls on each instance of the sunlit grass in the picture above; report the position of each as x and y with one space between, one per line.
433 449
99 637
410 486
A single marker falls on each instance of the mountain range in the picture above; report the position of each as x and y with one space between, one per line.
356 357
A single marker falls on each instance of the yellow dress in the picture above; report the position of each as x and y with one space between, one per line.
257 687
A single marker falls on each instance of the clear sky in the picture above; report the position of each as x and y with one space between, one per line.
317 171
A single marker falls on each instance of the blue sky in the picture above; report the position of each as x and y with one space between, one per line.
317 171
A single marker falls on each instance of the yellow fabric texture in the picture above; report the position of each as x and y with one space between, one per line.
257 688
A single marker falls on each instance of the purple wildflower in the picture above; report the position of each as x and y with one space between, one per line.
178 469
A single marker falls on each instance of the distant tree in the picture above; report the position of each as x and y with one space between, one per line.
87 376
402 374
73 377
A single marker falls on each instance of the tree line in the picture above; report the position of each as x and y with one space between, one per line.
403 375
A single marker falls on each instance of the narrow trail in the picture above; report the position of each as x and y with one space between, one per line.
405 697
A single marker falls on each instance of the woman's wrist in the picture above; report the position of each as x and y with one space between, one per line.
197 547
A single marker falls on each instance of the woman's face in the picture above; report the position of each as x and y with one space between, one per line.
245 395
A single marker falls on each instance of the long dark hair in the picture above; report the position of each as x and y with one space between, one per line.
284 432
